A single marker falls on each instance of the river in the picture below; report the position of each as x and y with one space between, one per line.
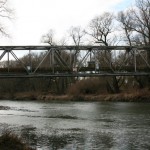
79 125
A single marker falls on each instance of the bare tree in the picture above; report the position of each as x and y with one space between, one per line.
142 22
77 36
135 23
49 38
56 58
141 17
101 29
126 24
5 13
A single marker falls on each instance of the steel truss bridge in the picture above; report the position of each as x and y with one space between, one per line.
74 61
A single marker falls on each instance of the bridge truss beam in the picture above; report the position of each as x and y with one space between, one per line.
73 61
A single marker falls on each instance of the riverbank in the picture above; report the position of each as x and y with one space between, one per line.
139 96
134 96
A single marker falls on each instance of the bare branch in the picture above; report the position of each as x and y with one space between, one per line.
77 34
49 38
5 12
100 27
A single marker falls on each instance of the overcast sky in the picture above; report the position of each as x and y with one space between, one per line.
33 18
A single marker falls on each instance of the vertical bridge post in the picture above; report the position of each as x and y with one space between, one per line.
135 65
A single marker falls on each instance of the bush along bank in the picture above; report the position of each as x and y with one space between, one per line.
10 141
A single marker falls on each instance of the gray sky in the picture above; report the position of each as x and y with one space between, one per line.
33 18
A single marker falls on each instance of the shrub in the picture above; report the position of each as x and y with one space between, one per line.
88 86
9 141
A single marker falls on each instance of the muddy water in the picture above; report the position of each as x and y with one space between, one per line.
78 125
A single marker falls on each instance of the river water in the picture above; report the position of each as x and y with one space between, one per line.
79 125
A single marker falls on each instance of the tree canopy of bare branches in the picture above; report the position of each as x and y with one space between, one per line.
5 13
137 21
77 34
100 28
49 38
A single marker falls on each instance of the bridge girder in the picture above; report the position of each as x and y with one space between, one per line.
74 68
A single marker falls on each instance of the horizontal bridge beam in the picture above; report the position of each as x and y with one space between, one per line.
47 47
66 69
74 75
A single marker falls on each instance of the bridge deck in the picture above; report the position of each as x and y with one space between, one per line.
74 75
66 72
81 69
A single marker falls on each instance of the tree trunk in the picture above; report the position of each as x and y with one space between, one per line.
115 85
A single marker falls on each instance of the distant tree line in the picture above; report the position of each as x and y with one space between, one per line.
130 27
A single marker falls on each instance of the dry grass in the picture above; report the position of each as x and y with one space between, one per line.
141 95
88 86
26 96
91 89
9 141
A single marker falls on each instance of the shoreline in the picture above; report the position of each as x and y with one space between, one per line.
138 96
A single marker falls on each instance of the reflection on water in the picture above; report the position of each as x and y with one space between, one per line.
78 125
